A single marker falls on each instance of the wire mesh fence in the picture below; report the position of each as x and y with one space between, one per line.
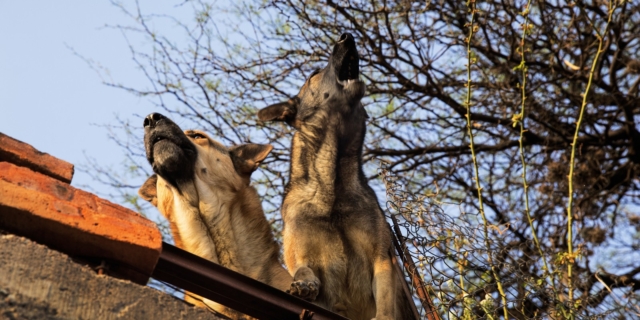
448 259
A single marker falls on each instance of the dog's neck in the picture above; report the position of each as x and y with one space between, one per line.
202 213
326 152
217 207
181 205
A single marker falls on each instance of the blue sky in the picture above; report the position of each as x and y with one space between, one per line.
49 97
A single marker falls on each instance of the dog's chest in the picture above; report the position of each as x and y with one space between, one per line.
346 273
350 245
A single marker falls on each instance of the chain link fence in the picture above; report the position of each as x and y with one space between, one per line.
448 259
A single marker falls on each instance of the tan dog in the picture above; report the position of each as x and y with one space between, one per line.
203 190
337 243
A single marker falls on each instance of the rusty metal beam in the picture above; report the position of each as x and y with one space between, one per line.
214 282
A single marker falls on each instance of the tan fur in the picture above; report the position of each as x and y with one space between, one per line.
337 244
217 215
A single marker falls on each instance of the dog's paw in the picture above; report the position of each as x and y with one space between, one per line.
307 290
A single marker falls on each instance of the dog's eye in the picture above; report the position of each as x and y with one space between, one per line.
197 136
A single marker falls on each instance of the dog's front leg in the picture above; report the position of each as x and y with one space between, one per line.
384 285
297 253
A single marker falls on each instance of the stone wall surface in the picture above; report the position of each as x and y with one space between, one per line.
77 222
39 283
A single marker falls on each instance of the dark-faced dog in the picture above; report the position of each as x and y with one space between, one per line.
203 190
337 244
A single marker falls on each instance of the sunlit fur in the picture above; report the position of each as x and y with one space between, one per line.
217 215
337 244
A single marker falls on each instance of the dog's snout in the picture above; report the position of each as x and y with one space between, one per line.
345 37
152 119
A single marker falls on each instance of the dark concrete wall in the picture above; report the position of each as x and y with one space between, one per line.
39 283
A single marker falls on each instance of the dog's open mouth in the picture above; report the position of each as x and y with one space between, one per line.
349 70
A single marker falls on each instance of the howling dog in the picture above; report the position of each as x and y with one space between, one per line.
203 190
337 244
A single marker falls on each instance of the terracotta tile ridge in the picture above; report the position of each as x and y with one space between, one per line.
25 155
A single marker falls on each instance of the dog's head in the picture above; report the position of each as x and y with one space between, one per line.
171 153
334 89
180 157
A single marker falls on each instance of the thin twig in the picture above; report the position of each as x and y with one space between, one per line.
520 119
470 60
613 295
570 258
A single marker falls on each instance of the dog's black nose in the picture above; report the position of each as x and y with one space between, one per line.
152 119
345 36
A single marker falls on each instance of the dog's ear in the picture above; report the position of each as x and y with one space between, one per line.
247 157
149 191
283 111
